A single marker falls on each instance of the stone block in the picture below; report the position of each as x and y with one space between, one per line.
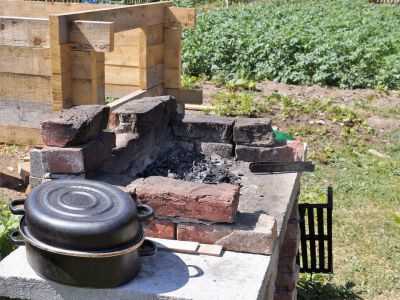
287 264
289 151
75 126
206 128
287 281
139 115
36 164
253 132
77 159
178 198
251 233
217 149
163 229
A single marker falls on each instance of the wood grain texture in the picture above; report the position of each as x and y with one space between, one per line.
92 36
24 32
25 87
119 91
24 113
180 17
123 56
22 60
20 135
122 75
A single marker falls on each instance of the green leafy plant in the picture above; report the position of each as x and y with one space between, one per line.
238 104
341 43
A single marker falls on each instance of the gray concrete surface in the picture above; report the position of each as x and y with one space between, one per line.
166 275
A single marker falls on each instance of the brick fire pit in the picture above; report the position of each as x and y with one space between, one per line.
194 171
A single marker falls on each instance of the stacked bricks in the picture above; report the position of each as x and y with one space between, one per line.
192 211
210 135
288 270
76 144
143 134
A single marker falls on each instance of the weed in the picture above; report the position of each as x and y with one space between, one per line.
110 99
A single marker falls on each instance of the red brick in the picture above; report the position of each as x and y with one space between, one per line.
289 247
75 126
287 264
163 229
285 295
293 230
290 151
78 159
287 281
178 198
251 237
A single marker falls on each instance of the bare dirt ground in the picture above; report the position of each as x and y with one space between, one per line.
10 155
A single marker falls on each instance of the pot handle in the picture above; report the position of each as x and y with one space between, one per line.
13 236
145 212
147 248
13 204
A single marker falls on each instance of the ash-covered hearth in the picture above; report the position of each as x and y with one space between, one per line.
193 167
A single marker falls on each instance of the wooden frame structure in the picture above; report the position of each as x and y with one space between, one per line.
58 55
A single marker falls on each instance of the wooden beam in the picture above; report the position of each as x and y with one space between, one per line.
124 18
23 60
123 56
25 87
24 32
120 91
92 36
24 113
172 58
188 96
122 75
20 135
179 17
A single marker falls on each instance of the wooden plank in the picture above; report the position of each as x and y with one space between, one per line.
188 96
122 75
43 9
123 56
180 17
92 36
25 87
24 32
22 60
155 55
213 250
119 91
124 18
176 246
151 76
20 135
24 113
154 91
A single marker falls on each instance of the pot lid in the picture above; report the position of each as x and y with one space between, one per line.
80 214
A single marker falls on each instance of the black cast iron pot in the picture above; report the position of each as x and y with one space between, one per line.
82 233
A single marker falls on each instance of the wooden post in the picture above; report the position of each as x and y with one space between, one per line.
88 86
151 56
61 78
172 64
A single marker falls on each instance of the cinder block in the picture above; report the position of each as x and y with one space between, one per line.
224 150
251 233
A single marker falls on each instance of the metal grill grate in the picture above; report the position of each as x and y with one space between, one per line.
315 252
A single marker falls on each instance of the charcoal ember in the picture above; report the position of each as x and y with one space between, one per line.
193 167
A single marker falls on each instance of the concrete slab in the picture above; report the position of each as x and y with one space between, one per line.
165 275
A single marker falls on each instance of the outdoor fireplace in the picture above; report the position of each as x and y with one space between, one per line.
192 169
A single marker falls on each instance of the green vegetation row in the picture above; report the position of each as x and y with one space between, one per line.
345 43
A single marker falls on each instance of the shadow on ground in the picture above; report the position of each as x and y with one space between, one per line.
315 288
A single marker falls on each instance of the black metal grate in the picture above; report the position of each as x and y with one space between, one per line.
315 251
